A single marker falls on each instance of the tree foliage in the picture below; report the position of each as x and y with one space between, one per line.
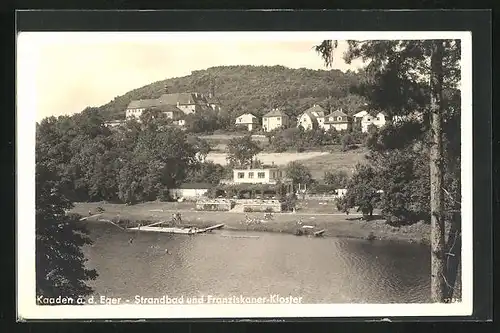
299 173
404 78
241 151
138 161
338 179
60 263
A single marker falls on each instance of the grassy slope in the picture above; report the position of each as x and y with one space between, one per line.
334 161
317 162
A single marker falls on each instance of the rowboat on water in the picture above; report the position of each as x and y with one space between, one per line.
319 233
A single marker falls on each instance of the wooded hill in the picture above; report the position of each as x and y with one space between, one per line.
255 89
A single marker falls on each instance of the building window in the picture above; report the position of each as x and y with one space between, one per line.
339 118
280 174
261 175
250 175
278 118
331 118
377 118
241 175
274 174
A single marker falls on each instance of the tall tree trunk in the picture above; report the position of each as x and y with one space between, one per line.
453 252
438 260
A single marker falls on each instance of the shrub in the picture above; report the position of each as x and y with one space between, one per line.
290 202
269 210
247 209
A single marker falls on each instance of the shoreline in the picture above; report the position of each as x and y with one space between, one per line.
335 225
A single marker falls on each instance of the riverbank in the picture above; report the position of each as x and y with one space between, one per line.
335 224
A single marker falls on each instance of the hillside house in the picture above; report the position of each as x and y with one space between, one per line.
248 120
257 176
378 120
171 104
312 118
358 116
275 119
338 120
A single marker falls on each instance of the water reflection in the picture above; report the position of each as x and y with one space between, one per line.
326 270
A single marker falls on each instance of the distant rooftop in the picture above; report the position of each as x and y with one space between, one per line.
169 99
316 109
275 113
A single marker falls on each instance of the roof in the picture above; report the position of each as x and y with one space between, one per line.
360 114
183 98
337 113
143 104
275 113
253 119
318 109
276 167
189 186
169 99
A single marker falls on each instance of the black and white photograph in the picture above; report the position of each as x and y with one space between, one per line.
244 174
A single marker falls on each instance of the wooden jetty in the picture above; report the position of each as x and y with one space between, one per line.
90 217
176 230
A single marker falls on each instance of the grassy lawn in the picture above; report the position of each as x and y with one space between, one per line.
336 225
336 160
269 158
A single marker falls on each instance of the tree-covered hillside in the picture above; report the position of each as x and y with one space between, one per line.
255 89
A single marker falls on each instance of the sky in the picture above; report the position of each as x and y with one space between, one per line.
72 72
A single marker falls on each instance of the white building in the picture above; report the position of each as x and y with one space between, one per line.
378 120
338 120
186 103
248 120
360 115
257 176
312 118
275 119
190 191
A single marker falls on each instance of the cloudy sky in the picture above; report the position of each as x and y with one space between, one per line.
72 71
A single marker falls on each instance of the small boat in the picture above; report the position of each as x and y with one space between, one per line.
319 233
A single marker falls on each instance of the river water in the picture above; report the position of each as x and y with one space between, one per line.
320 270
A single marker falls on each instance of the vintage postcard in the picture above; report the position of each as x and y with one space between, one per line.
244 174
